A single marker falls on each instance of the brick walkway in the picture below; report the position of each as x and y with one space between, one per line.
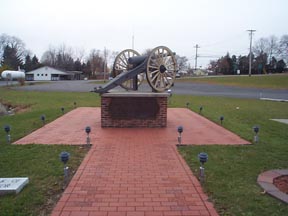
69 129
133 171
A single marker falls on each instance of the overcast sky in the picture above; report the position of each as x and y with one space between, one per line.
217 26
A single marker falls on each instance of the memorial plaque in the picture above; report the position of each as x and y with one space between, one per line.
134 108
12 185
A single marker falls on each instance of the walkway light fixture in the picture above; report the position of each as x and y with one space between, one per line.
64 157
256 131
62 109
88 130
203 158
7 129
43 118
200 109
180 131
187 105
221 119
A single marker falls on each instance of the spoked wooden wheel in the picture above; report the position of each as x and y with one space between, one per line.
121 65
161 69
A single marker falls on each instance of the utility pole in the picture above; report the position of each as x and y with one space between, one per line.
105 61
250 55
196 56
133 39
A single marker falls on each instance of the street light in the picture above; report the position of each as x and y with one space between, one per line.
180 130
203 158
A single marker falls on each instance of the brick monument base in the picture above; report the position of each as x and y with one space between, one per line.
134 109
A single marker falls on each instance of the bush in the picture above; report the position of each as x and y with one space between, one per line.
21 81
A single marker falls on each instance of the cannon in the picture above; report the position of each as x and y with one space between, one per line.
130 69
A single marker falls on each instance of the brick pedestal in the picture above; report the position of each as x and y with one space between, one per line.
134 109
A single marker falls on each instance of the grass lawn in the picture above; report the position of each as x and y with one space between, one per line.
40 163
231 170
275 81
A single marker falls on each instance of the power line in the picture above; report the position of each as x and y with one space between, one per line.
224 41
250 54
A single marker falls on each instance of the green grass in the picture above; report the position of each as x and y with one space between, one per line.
45 171
232 170
38 162
275 81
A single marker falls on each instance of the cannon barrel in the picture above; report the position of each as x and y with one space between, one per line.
137 60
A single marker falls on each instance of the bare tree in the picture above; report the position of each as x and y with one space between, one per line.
261 46
96 61
272 47
181 62
49 57
60 57
14 43
79 54
283 48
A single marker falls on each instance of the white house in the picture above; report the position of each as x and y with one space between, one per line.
47 73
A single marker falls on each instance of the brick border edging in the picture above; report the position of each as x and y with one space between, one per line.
265 180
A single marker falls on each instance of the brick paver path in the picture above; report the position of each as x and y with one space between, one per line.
133 171
69 129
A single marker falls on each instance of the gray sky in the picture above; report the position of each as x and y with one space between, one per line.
217 26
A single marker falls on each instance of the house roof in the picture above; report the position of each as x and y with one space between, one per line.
54 70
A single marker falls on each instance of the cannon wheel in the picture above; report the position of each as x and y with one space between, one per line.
161 69
121 65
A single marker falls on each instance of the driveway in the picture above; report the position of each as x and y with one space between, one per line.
179 88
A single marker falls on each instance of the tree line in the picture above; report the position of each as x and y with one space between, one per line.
269 55
13 54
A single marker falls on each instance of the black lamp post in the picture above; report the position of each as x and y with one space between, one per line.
43 118
200 109
7 129
203 158
256 131
180 130
62 109
221 119
88 130
64 157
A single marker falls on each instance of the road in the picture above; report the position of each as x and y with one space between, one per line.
181 88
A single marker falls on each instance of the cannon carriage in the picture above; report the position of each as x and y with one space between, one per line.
130 69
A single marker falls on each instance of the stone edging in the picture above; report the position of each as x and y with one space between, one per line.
265 180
